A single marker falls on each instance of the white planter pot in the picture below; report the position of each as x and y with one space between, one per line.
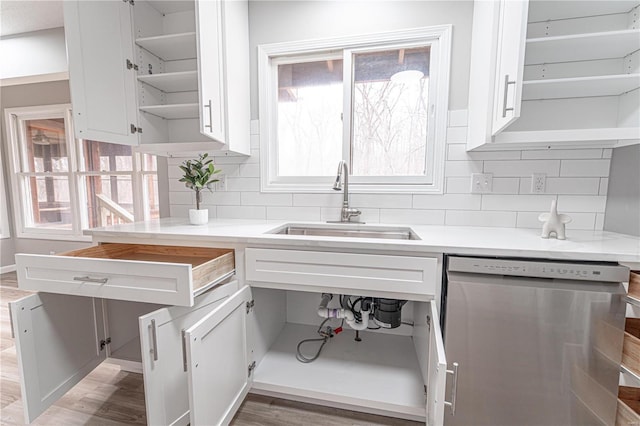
198 217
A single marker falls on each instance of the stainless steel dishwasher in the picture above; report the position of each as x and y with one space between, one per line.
537 342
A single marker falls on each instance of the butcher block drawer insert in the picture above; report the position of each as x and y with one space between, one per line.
170 275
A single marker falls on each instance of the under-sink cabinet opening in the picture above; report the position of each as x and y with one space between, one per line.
399 372
171 275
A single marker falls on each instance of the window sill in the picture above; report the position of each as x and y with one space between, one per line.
353 188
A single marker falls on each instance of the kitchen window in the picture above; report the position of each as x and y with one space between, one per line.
62 185
377 101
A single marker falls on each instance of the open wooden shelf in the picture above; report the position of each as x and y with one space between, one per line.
580 87
170 47
172 112
183 81
582 47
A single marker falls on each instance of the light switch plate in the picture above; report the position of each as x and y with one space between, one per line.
481 183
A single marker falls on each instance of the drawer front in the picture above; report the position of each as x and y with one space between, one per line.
138 281
351 271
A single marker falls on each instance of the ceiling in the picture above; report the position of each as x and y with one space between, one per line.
21 16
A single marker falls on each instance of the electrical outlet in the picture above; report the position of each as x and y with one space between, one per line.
481 183
221 184
538 183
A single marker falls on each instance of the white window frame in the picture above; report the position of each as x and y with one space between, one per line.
271 55
79 220
5 230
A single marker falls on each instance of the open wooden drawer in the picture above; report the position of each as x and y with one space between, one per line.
168 275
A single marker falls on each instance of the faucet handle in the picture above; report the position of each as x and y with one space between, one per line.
348 213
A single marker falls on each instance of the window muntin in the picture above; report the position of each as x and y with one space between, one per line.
409 157
63 185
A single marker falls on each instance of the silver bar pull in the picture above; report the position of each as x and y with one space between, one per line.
13 334
454 389
506 92
88 279
184 351
154 340
210 125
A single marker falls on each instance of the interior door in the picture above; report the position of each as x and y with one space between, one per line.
58 342
512 35
210 51
437 369
102 83
219 360
164 358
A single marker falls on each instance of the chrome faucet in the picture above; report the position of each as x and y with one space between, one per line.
343 176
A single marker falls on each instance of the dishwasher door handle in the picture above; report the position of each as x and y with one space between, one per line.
454 389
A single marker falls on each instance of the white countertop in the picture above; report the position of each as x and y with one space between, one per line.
485 241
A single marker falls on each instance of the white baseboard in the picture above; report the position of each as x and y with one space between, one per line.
8 268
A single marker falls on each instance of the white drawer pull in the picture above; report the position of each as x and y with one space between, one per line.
88 279
454 389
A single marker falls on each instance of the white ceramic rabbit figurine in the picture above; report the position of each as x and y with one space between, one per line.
554 222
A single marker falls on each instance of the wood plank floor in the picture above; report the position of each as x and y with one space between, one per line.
109 396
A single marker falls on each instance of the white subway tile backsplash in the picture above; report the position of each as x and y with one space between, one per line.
508 168
583 221
458 118
242 212
456 135
462 168
391 201
221 198
585 168
561 154
250 170
480 218
447 201
517 202
265 199
333 199
293 213
243 184
578 179
581 203
418 217
587 186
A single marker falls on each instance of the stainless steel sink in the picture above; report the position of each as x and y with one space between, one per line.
348 231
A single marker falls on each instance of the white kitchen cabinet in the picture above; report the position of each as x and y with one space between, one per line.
62 338
182 65
400 373
169 275
571 80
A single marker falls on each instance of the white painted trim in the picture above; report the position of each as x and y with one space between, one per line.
439 37
30 79
5 229
7 268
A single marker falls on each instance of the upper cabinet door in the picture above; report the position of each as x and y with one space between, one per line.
512 32
164 359
58 342
210 51
103 84
437 370
219 361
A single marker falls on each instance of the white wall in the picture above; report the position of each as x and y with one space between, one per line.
34 53
577 179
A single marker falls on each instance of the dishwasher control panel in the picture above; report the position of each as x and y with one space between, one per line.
583 271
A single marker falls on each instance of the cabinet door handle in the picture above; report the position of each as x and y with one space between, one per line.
88 279
506 91
210 125
184 351
454 389
13 333
154 340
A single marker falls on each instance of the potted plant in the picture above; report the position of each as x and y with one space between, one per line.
198 175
